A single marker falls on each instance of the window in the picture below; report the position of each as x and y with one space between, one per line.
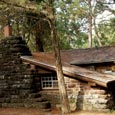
49 82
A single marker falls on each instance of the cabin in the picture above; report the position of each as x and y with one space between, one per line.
89 77
29 79
88 73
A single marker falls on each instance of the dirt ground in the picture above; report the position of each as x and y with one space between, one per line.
23 111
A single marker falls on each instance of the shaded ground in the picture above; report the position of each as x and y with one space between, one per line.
23 111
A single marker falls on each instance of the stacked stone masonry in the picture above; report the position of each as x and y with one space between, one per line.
17 87
87 97
83 96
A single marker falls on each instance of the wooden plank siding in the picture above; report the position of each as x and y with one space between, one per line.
73 71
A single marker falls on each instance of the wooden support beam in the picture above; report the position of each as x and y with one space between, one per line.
91 84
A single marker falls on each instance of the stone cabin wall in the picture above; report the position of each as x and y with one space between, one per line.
82 96
18 85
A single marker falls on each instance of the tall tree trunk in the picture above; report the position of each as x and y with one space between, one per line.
39 37
96 32
61 83
39 44
90 25
90 33
94 23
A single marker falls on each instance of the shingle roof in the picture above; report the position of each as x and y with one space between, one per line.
84 56
89 55
46 60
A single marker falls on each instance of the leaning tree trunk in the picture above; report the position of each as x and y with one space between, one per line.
61 83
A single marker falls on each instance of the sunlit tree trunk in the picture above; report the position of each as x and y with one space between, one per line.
61 83
90 25
90 33
96 32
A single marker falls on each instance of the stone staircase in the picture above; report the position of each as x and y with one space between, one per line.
37 101
34 100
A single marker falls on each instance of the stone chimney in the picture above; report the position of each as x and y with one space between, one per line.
7 30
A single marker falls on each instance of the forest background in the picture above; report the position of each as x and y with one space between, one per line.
79 23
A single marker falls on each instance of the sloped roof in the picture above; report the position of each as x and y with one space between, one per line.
46 60
85 56
89 55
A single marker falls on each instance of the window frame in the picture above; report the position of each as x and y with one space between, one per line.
48 81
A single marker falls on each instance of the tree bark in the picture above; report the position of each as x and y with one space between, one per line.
39 44
97 34
90 33
61 83
90 25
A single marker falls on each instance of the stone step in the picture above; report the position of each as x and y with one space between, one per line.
46 110
11 105
34 95
40 99
33 100
42 105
